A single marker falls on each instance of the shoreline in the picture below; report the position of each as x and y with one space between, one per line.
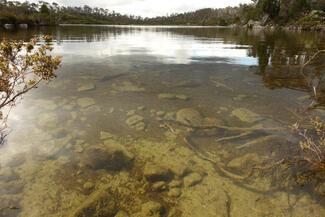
293 28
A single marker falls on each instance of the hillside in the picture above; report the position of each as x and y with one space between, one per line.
306 14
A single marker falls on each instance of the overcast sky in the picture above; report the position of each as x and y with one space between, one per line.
152 8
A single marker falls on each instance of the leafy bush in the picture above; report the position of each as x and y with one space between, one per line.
22 67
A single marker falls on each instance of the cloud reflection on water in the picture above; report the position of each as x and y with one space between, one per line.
168 47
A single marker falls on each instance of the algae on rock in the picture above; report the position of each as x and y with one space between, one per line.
99 204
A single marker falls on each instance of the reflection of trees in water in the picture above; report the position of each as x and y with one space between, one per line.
285 70
280 58
82 33
279 53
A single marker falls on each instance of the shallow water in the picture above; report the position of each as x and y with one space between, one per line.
128 86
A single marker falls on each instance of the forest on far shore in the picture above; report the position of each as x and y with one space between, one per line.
266 12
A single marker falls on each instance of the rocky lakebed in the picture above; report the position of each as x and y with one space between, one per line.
156 168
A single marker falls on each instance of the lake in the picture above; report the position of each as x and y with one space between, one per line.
164 121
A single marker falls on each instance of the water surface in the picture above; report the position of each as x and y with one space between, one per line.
129 86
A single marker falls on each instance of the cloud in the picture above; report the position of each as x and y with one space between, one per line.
152 8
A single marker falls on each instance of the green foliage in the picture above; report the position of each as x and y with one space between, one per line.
44 9
283 12
269 7
313 19
23 66
248 12
318 5
298 7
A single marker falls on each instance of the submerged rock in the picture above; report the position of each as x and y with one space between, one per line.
152 208
246 115
154 173
86 87
173 212
92 109
141 108
304 98
240 97
64 160
46 104
59 133
141 126
9 206
189 116
110 110
14 187
211 121
188 84
192 179
78 149
16 160
160 113
134 119
121 213
320 189
114 158
170 116
171 96
243 161
106 135
85 102
136 122
174 192
99 204
48 120
127 86
175 184
7 174
159 186
88 186
131 112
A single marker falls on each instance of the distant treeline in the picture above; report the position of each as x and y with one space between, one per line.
279 12
44 13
